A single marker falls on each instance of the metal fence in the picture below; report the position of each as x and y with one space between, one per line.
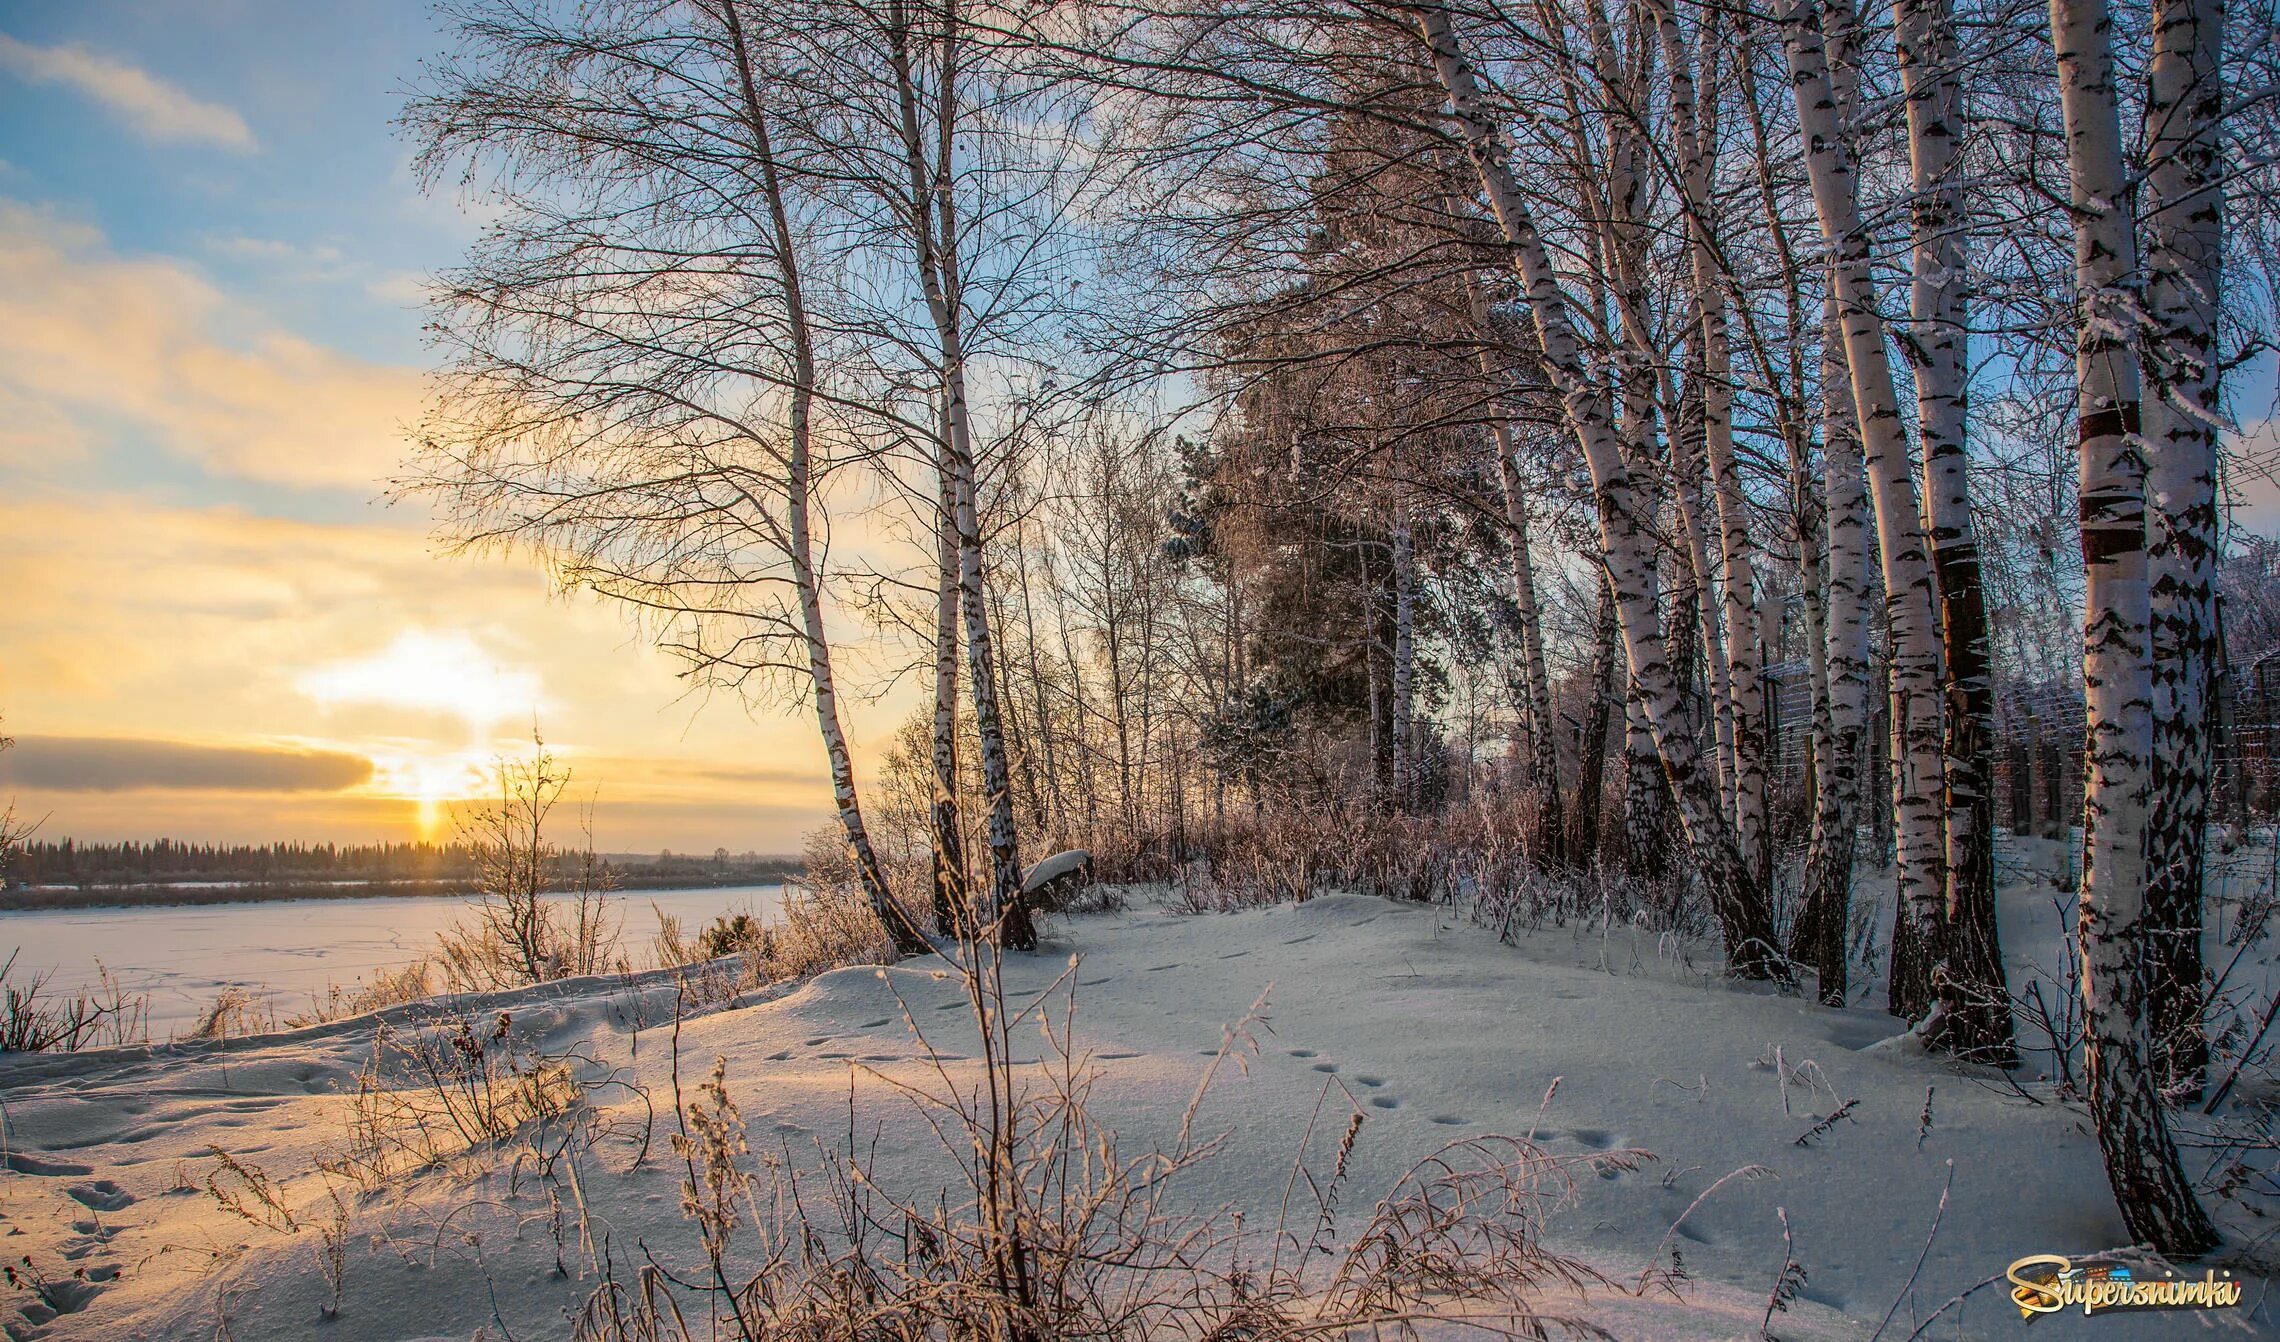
2040 731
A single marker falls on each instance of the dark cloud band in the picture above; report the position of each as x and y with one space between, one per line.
116 764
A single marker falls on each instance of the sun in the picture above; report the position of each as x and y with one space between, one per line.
431 782
423 671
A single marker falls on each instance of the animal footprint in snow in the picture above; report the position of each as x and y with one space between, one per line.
1450 1120
1386 1101
1371 1081
101 1195
875 1024
24 1163
1302 1053
1328 1067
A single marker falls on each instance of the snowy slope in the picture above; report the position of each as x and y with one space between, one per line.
1432 1029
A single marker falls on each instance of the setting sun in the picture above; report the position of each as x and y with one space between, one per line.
433 782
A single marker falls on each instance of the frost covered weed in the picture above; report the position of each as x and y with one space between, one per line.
436 1089
386 988
245 1191
233 1014
1479 860
824 925
34 1018
1050 1230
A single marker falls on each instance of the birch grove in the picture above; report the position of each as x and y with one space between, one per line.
1302 447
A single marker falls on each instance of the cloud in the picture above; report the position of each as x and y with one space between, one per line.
154 108
148 346
118 764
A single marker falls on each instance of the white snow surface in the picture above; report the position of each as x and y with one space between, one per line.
1429 1027
1055 867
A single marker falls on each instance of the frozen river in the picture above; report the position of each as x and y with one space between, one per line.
293 948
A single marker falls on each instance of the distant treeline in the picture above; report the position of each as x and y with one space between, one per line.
303 868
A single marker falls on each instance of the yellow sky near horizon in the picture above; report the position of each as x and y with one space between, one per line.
217 628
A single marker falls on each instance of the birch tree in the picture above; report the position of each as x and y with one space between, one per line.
678 473
1745 689
945 840
1937 343
2149 1181
2184 254
1911 605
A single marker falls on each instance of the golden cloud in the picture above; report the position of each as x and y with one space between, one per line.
95 340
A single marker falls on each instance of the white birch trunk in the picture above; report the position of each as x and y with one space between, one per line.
942 809
2156 1199
1543 741
1979 1023
931 209
1829 863
2184 230
799 488
1912 610
1744 688
1736 895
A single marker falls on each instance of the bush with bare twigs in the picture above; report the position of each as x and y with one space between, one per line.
543 915
435 1089
386 988
35 1018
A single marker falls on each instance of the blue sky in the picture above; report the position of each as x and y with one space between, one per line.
211 243
315 211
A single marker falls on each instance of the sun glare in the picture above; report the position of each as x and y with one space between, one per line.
432 782
446 673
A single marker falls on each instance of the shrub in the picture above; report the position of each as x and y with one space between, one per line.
36 1019
732 934
518 935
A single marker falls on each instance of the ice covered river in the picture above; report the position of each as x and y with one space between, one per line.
295 948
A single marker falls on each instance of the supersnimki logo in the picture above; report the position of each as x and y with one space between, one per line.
2048 1283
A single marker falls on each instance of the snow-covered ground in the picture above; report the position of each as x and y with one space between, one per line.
1426 1026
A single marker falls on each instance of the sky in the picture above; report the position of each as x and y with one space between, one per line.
216 625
